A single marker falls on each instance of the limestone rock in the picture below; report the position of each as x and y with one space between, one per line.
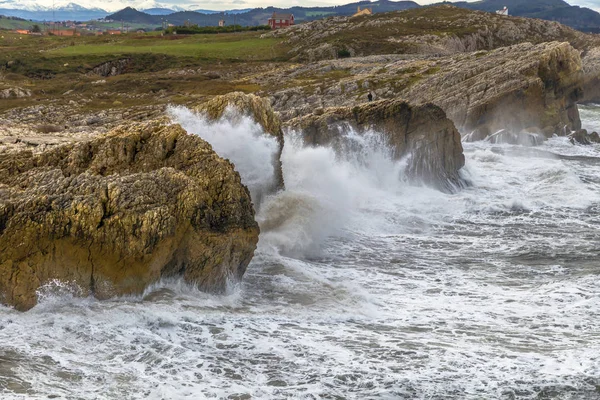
510 88
255 107
112 68
423 132
591 75
14 93
116 213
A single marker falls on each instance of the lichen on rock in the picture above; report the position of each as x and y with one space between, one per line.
116 213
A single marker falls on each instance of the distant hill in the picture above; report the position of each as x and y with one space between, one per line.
576 17
72 12
159 11
257 16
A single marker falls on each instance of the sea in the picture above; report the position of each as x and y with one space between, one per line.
364 286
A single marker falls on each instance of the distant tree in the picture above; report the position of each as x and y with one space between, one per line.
36 28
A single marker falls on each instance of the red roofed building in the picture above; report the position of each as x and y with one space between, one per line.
281 20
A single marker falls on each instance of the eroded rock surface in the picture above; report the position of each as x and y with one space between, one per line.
14 93
513 88
521 87
421 132
117 213
591 71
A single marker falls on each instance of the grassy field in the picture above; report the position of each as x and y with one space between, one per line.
160 69
229 47
9 23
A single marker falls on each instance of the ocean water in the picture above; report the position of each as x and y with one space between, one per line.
364 286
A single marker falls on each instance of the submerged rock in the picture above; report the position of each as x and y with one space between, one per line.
582 136
255 107
523 138
119 212
421 132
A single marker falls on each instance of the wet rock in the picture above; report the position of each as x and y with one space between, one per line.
422 132
581 136
523 138
116 213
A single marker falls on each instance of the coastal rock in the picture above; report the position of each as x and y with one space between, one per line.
582 136
591 76
421 132
252 106
116 213
510 88
515 88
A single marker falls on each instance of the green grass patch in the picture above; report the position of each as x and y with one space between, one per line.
242 48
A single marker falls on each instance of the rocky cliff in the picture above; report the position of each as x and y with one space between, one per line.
116 213
520 87
423 133
258 109
517 87
591 75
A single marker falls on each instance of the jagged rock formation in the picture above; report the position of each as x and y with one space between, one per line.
522 87
255 107
591 75
116 213
422 131
112 68
582 136
14 93
518 87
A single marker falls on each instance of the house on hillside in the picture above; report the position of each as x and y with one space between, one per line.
113 32
281 20
22 31
221 23
364 11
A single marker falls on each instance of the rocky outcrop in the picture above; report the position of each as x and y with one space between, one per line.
255 107
526 87
591 75
582 136
423 133
116 213
519 87
112 68
14 93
